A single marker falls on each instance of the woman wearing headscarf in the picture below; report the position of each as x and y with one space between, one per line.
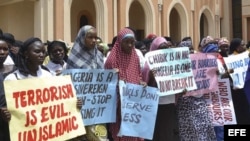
85 55
166 126
124 59
194 121
223 45
241 106
224 72
57 52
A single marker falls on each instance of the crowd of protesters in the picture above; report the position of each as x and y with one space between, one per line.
185 118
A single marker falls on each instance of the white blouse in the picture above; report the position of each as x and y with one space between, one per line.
16 75
55 68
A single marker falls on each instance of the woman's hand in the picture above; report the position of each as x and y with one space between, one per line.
184 91
154 72
58 72
230 70
144 84
116 70
226 74
79 103
5 114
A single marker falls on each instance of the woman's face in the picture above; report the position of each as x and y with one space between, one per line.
144 49
57 54
35 53
90 39
224 48
127 44
241 48
4 51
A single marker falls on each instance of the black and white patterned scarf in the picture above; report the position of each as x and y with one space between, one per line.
80 57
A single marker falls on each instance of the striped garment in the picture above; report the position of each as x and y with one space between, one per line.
81 57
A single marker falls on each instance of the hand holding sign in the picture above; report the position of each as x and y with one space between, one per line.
144 84
116 70
5 114
79 103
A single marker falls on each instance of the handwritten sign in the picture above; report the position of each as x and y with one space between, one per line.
43 109
204 67
97 89
173 70
138 109
220 105
239 63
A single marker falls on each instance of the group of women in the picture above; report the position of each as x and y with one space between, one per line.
185 118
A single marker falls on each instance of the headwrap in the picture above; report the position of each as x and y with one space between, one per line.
185 44
80 56
210 48
128 64
128 35
154 46
206 40
157 42
151 36
60 43
223 41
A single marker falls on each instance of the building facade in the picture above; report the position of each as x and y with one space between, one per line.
61 19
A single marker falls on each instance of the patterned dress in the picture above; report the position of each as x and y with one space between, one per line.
194 121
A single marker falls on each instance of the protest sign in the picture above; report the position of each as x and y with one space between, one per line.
97 89
239 63
138 110
204 66
220 105
173 70
43 109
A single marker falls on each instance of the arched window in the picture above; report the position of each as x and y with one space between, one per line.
83 21
203 26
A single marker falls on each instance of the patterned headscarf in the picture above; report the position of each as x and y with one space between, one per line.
210 48
206 40
80 56
185 44
151 36
154 46
128 64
